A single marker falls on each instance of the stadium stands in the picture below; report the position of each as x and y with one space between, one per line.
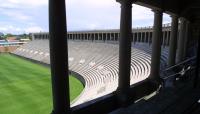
96 62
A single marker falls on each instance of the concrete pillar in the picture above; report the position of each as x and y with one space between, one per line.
114 36
167 39
186 39
163 42
102 36
180 52
197 70
156 46
110 36
59 57
149 38
98 37
173 41
106 36
133 37
88 36
146 34
125 52
83 36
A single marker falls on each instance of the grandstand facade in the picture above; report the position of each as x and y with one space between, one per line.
139 34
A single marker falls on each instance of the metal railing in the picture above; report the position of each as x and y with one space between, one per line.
183 67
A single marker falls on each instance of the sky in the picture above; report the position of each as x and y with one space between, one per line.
26 16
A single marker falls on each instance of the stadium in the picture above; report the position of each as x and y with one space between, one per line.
95 60
143 70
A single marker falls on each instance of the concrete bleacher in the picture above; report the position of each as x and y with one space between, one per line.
96 62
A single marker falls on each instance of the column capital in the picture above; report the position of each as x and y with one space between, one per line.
128 2
182 19
157 10
174 16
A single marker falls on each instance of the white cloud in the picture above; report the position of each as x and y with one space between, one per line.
3 29
34 29
22 3
17 30
141 13
16 15
32 15
9 29
92 3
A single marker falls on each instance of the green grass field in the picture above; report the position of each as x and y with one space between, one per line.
25 87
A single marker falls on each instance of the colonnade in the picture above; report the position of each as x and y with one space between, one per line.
175 48
58 49
143 34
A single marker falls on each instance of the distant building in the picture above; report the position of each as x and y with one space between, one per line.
12 39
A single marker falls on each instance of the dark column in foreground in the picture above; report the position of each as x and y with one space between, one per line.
173 41
156 46
197 72
125 51
186 39
180 53
58 57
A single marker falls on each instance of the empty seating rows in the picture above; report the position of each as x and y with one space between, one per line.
96 62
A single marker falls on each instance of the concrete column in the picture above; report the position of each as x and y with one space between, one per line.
98 37
186 39
101 34
110 36
125 52
83 36
180 52
80 36
145 37
94 36
149 38
173 41
59 57
88 36
114 36
133 35
167 39
106 36
197 70
163 42
118 36
156 46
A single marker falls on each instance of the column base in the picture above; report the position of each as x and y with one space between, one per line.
123 98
